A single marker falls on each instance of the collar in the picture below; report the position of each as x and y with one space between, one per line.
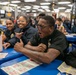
51 35
26 27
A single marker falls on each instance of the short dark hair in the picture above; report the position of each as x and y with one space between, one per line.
11 19
41 14
59 19
26 17
50 20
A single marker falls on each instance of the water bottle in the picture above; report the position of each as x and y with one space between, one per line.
70 48
1 43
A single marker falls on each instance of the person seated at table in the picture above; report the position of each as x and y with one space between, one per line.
73 29
47 44
23 31
0 22
60 26
9 32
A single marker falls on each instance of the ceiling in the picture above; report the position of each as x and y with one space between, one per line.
53 5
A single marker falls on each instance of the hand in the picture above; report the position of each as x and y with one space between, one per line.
3 38
18 46
6 45
41 47
18 35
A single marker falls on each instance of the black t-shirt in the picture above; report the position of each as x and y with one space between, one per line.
56 40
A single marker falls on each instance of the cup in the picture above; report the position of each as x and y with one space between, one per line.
0 43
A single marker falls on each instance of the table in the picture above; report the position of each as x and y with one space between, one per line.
3 27
71 38
11 55
43 69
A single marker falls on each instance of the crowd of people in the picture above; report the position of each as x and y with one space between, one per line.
42 39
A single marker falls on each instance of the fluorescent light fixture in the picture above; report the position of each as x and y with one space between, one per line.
33 10
52 11
48 0
29 0
8 8
2 11
44 7
23 8
27 7
66 2
70 5
19 10
61 8
36 7
34 14
4 3
15 1
68 10
56 10
48 10
27 10
18 7
44 3
41 10
13 5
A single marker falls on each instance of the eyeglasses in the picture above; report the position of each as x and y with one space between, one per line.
41 27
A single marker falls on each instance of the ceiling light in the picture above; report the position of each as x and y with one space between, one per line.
61 8
56 10
34 14
4 3
36 6
66 2
15 1
18 7
27 7
41 10
33 10
23 8
70 5
68 10
29 0
7 8
44 3
19 10
48 10
44 7
27 10
13 5
48 0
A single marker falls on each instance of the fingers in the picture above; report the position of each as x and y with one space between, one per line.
18 35
6 45
21 41
21 33
42 45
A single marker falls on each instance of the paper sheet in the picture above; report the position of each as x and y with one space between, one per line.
69 35
20 67
3 55
66 68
